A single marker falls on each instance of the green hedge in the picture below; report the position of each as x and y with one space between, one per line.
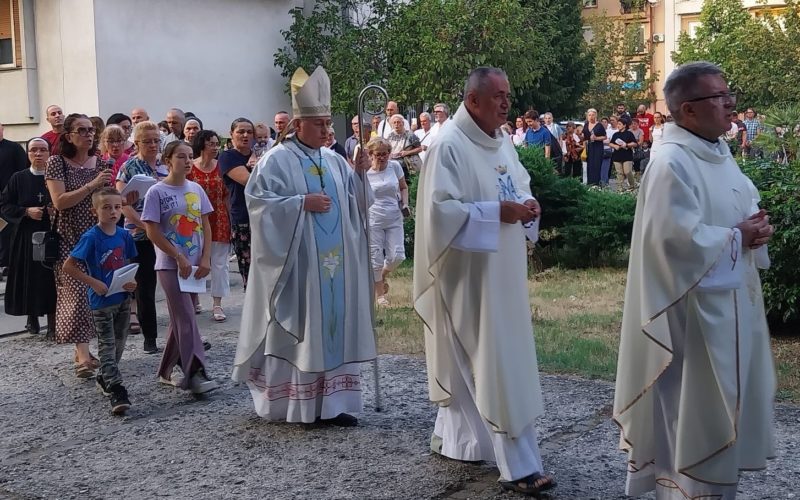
779 186
580 226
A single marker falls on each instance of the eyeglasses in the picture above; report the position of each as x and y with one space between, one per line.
727 96
116 143
84 132
150 142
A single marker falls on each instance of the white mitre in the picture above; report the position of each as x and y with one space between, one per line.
311 95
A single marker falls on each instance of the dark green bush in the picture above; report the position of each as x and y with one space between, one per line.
408 223
580 226
779 186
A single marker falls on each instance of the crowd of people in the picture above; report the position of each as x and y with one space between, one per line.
102 211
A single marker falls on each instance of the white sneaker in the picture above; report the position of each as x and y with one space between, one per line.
166 381
200 383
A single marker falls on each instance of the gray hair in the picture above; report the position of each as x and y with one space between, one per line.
478 78
425 113
680 84
444 107
179 112
547 114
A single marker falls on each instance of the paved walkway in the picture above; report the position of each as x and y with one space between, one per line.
59 440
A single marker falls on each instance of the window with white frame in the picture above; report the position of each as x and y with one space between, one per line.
691 28
588 34
10 41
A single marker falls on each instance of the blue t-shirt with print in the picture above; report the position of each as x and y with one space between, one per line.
103 254
542 137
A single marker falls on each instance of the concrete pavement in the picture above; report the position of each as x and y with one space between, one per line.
60 441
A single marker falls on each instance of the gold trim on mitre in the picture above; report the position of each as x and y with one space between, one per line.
311 95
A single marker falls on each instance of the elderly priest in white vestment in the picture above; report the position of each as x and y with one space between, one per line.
695 378
471 290
306 322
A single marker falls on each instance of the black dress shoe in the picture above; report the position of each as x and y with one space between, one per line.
341 420
33 325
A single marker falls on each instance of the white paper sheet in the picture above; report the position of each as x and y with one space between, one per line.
532 230
619 142
192 284
140 183
124 274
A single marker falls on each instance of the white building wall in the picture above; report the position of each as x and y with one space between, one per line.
209 57
63 70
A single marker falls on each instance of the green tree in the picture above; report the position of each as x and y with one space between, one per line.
432 45
566 78
623 59
344 36
760 55
422 50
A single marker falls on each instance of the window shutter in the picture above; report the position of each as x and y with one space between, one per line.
17 33
5 19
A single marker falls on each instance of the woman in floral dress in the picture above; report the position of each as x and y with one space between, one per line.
206 172
72 177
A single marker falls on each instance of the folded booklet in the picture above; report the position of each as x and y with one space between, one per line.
124 274
140 183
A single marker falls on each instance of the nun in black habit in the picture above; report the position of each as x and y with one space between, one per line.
25 205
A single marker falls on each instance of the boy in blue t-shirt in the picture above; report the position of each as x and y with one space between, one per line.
103 249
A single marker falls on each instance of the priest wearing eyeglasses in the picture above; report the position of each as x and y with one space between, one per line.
695 377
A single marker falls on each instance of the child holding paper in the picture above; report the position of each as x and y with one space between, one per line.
176 217
105 249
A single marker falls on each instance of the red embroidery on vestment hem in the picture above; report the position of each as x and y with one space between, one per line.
301 392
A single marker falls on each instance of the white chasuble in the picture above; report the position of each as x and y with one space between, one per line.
306 311
476 300
695 379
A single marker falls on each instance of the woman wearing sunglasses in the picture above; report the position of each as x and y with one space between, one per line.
72 177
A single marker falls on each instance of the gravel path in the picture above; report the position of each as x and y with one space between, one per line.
59 440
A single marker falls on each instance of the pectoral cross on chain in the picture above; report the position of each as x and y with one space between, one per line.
40 196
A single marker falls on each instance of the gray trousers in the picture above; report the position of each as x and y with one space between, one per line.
111 325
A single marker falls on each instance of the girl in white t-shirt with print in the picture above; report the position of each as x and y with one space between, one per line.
387 243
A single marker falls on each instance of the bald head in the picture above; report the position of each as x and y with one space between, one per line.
139 115
175 121
392 109
55 117
281 121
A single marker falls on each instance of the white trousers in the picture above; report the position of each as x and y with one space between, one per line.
281 392
387 249
220 282
465 435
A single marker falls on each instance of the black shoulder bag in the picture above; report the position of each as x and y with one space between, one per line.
46 244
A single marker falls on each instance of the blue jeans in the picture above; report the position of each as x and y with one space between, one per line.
111 326
604 171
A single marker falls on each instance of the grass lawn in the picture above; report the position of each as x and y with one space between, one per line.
576 321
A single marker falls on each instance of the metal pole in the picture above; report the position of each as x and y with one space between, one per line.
381 94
